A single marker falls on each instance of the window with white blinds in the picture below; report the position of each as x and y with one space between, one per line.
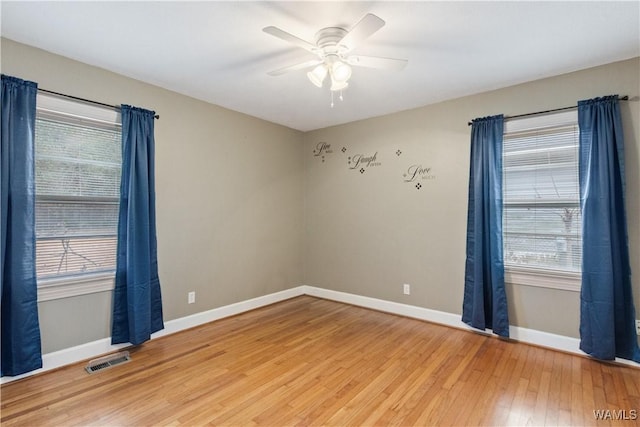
78 166
541 218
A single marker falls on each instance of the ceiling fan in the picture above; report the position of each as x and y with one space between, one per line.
332 47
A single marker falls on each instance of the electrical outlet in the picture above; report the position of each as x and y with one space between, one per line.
407 289
637 327
191 297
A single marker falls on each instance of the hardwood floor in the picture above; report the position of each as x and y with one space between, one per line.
308 361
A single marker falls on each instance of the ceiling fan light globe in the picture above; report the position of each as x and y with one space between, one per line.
317 75
340 71
337 86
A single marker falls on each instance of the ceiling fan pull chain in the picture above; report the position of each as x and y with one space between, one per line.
341 98
331 99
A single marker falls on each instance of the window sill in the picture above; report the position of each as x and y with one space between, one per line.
567 281
65 287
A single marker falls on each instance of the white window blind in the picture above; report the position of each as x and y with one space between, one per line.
541 220
78 166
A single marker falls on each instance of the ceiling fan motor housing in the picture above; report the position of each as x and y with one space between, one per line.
327 40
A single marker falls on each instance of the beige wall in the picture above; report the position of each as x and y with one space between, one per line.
229 198
246 209
369 233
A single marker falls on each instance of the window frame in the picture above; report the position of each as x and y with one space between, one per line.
540 276
49 106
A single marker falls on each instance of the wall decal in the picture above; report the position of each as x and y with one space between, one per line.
416 173
363 162
321 150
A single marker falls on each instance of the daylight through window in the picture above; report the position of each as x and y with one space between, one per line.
541 221
78 165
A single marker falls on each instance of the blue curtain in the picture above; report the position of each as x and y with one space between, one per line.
137 304
20 344
607 313
485 301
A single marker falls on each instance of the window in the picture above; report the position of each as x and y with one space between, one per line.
78 166
541 220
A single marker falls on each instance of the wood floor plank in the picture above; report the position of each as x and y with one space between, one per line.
309 361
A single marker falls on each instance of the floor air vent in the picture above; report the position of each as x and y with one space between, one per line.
107 362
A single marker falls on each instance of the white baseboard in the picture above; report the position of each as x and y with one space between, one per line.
100 347
177 325
412 311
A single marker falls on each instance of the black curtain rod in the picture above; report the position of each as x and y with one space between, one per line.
77 98
622 98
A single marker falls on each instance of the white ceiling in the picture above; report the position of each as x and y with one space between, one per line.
216 51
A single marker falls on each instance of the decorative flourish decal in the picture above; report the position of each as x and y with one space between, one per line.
416 173
363 162
322 149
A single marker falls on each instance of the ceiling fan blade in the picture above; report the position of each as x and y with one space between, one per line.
295 67
377 62
368 25
290 38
